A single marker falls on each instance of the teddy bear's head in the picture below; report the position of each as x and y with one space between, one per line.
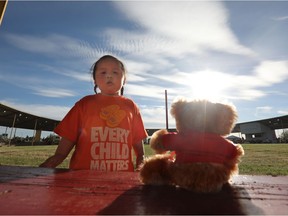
204 116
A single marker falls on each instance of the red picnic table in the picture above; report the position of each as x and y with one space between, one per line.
33 190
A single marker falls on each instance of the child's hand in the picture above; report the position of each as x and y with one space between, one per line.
53 161
139 162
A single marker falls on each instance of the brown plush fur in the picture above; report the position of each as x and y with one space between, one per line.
202 116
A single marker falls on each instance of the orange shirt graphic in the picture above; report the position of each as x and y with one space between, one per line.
104 129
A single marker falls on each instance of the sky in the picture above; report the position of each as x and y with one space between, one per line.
227 51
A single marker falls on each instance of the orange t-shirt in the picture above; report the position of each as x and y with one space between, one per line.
104 128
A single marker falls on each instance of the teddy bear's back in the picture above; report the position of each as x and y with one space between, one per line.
199 147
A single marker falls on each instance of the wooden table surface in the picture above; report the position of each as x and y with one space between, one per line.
30 190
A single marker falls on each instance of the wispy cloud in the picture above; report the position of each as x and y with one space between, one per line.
170 29
39 86
69 72
283 112
154 117
212 84
282 18
175 28
57 93
261 110
54 45
267 73
271 72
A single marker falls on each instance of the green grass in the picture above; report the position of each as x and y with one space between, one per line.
265 159
28 155
259 159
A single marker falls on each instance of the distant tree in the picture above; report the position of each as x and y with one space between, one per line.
4 138
4 135
16 140
51 139
284 136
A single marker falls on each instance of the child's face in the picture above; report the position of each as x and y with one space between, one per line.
109 77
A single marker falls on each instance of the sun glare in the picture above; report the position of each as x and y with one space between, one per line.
209 85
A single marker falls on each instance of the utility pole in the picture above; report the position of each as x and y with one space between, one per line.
3 5
166 109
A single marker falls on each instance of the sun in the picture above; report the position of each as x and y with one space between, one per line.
209 84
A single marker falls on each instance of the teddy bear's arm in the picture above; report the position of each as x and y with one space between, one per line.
163 141
156 141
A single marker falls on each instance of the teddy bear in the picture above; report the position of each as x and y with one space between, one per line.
197 157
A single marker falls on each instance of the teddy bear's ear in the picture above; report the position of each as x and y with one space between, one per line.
177 107
177 111
226 119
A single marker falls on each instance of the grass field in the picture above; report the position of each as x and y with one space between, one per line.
259 159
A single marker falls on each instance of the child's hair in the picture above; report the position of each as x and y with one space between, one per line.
94 67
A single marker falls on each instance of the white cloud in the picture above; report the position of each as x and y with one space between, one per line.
39 86
144 90
174 28
271 72
170 28
136 71
54 45
266 74
53 92
283 112
264 109
71 73
281 18
154 117
219 85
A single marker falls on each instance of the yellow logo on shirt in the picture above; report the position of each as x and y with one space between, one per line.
113 115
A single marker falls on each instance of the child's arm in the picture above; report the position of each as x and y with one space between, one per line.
139 152
62 151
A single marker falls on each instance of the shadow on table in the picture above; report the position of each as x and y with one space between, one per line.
171 200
